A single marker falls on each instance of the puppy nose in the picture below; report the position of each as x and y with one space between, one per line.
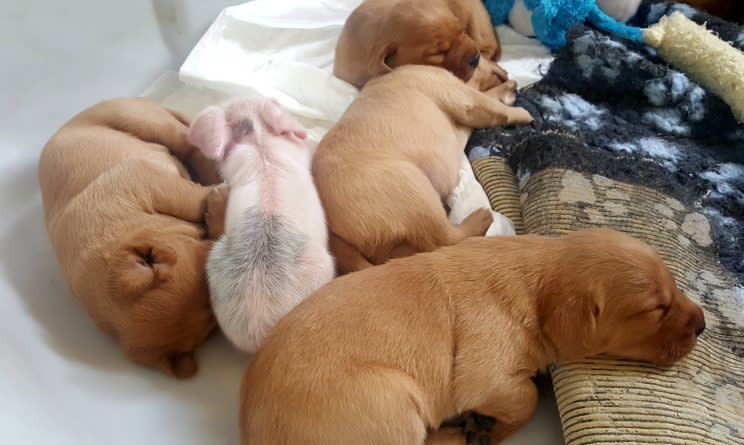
700 327
474 61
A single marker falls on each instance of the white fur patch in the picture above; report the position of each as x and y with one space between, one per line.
657 92
523 176
657 149
480 152
572 110
740 39
680 84
723 176
739 292
609 68
715 215
686 10
697 109
668 120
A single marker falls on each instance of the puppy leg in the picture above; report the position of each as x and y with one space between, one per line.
427 223
402 251
506 92
214 216
511 406
145 120
348 258
474 109
203 169
172 195
476 224
389 409
440 233
150 122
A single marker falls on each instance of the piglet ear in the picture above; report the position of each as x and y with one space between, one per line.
210 133
279 121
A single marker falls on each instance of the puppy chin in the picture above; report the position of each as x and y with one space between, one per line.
466 75
675 352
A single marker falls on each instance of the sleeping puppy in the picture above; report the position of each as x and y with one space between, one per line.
275 250
124 221
384 170
385 355
381 35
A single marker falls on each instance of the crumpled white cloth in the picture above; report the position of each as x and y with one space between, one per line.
285 50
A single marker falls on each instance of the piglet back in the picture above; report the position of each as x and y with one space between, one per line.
253 272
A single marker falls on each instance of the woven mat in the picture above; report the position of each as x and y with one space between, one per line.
601 401
497 179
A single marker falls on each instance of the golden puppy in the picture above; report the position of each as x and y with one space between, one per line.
380 35
385 355
124 221
384 169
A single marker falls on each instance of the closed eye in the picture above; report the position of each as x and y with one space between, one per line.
663 308
437 58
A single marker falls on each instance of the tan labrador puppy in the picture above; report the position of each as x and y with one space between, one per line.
381 35
384 356
125 220
384 170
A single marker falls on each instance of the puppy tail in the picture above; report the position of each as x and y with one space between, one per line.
348 258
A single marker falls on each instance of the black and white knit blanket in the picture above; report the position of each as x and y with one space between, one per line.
612 107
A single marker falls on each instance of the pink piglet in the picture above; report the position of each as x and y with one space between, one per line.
274 252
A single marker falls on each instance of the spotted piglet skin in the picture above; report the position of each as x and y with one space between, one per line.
274 251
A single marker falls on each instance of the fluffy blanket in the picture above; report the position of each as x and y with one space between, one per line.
621 139
637 120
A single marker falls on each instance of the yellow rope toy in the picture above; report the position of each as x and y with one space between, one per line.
708 60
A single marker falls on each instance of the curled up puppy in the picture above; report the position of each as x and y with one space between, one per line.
381 35
386 167
274 250
125 222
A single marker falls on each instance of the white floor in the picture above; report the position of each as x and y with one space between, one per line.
61 381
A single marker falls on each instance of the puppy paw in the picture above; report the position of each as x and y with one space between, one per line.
477 429
519 116
446 436
477 223
506 92
472 438
214 215
501 226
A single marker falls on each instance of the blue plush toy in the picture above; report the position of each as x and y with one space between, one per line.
549 20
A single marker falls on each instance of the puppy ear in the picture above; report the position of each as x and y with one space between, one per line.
142 265
279 121
210 133
571 326
382 63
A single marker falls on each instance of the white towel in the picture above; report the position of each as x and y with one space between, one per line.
285 50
